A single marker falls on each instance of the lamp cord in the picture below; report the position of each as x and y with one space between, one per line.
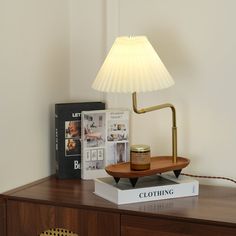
209 177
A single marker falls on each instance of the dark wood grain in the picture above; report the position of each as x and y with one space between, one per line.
139 226
32 219
214 204
29 218
2 217
69 218
97 223
71 204
159 164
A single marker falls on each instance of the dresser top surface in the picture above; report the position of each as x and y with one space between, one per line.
214 204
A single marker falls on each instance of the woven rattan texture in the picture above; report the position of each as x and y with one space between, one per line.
58 232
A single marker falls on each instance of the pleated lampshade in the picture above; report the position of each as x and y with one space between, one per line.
132 65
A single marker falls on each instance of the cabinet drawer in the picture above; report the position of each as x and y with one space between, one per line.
99 223
139 226
31 219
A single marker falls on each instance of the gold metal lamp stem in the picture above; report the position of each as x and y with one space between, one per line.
158 107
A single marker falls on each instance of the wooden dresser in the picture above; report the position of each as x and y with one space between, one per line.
71 204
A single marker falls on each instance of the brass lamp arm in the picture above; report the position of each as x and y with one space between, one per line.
158 107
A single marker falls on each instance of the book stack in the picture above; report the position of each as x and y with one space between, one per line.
149 188
88 138
68 137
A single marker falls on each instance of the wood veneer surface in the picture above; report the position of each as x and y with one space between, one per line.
2 217
215 205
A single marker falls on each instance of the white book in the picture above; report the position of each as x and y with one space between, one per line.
105 141
150 188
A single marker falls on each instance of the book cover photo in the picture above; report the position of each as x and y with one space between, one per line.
68 137
105 141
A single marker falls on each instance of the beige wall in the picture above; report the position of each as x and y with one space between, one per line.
87 46
51 51
34 74
197 42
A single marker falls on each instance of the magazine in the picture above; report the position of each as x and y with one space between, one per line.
105 141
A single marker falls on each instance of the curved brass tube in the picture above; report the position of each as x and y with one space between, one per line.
158 107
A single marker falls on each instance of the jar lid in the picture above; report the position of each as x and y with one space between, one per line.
140 148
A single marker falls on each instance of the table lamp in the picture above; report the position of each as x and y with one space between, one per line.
133 66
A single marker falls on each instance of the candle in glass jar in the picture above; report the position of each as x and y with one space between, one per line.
140 157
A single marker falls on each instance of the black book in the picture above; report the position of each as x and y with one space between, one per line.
68 137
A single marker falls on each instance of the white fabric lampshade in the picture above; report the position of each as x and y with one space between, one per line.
132 65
